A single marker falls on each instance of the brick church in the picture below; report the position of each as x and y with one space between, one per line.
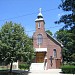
47 49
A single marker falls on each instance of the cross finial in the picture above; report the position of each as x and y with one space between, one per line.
40 10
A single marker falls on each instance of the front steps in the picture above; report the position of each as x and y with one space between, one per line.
37 67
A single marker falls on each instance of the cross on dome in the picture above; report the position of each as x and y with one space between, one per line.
40 14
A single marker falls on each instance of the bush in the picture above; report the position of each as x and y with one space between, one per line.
24 66
68 69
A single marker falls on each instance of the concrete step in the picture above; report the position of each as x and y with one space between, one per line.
47 72
37 67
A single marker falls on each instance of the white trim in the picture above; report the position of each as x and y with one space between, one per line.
40 49
40 19
40 14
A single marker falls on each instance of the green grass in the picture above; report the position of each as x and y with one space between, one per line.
3 68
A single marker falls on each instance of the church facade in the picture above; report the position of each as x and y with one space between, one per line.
47 49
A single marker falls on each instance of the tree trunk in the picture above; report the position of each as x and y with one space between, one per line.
11 64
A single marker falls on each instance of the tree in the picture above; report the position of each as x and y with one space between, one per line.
48 31
69 22
15 44
67 19
64 37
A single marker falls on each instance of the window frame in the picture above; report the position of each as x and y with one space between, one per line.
39 26
54 53
39 39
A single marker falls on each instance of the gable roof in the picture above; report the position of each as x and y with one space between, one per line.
54 39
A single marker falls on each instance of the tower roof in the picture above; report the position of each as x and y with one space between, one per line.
39 16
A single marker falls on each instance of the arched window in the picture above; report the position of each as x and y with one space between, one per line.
55 53
39 39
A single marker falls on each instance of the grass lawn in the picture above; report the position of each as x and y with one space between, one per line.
3 68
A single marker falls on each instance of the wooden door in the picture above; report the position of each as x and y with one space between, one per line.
40 57
58 63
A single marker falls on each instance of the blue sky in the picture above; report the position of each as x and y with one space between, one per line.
25 12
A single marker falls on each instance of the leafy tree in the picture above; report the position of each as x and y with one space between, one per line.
64 37
67 19
48 31
69 29
15 44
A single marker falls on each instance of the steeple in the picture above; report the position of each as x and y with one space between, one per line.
39 16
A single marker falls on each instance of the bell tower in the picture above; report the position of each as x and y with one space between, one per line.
40 39
40 36
40 22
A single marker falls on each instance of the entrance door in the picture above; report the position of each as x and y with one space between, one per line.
58 63
40 57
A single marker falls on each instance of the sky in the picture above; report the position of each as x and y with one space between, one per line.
25 12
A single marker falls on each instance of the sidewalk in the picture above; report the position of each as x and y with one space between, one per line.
47 72
38 69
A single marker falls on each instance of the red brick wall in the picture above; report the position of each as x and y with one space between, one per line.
40 31
48 43
51 46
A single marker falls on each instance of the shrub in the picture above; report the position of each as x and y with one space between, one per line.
68 69
24 66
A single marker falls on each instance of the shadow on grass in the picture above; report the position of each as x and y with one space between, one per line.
14 72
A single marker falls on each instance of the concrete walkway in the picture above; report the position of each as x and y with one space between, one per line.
38 69
47 72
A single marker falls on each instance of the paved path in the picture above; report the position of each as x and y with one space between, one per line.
47 72
38 69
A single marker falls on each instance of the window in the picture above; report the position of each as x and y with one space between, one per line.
39 39
54 53
39 25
